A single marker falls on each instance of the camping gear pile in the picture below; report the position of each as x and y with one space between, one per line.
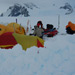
50 31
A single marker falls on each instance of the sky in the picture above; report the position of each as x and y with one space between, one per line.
43 4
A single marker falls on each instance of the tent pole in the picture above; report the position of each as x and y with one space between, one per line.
20 28
14 28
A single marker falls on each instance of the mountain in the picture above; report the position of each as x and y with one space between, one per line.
67 7
30 5
30 9
19 10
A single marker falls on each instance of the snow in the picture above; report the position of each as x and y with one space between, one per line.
56 58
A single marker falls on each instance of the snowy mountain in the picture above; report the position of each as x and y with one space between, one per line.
67 7
19 10
30 9
30 5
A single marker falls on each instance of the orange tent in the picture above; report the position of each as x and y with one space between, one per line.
71 25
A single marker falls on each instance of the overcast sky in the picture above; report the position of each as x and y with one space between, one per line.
4 4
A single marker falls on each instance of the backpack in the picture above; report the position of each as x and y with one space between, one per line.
49 26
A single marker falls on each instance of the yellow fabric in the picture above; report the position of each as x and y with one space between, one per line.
10 28
27 41
6 46
2 29
18 29
71 25
15 25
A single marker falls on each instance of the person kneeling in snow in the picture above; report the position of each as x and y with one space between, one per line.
38 31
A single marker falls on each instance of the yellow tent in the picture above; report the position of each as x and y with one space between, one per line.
2 29
12 27
28 41
17 28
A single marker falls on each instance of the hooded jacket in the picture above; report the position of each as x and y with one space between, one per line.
38 31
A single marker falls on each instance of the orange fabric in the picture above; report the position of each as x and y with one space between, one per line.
71 25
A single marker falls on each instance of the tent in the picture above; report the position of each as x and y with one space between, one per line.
28 41
2 29
71 25
70 28
12 27
9 40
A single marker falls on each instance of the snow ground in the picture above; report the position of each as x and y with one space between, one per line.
56 58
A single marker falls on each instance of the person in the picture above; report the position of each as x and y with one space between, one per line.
70 28
40 24
38 31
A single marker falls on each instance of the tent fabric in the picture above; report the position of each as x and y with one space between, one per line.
2 29
39 44
15 24
7 40
71 25
18 28
8 47
12 27
28 41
